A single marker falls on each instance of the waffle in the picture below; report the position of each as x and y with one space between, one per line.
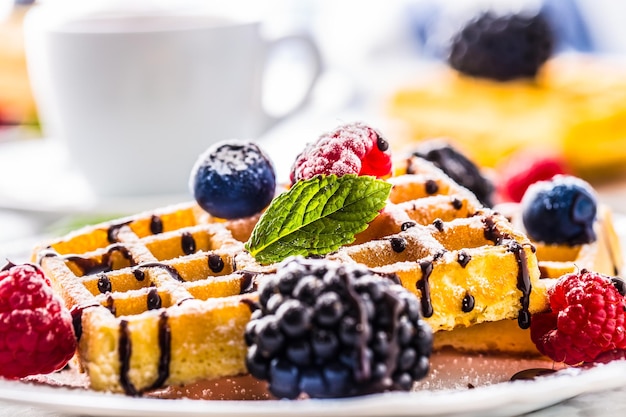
603 255
466 263
163 297
156 298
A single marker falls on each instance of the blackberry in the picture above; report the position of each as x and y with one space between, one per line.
458 167
502 47
327 329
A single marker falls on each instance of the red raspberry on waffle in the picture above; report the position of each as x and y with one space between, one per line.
586 320
353 148
36 332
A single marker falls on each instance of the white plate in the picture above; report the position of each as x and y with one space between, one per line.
434 399
458 385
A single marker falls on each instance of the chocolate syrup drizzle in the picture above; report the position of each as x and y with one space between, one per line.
523 277
104 284
113 231
398 244
407 225
364 371
90 266
409 167
110 305
170 269
77 319
468 303
424 287
523 283
139 274
187 243
125 351
431 187
153 300
463 258
156 225
394 347
215 262
248 283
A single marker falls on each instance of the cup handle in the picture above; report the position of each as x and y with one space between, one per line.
316 67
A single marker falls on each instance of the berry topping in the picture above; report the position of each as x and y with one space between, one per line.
327 329
585 321
36 333
562 210
502 47
524 169
233 179
349 149
458 167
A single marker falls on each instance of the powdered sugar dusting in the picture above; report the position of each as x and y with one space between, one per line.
339 152
233 157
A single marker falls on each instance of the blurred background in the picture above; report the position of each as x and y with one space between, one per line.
382 63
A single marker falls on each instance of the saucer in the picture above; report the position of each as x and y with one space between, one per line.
38 178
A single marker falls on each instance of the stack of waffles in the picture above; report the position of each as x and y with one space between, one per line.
163 297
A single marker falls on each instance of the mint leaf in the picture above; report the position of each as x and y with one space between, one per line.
317 216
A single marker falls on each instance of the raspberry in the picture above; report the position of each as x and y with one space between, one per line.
502 47
523 170
349 149
586 321
36 332
332 330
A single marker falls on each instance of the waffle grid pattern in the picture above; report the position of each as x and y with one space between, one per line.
157 292
163 297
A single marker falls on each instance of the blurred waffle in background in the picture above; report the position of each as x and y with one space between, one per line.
572 105
17 106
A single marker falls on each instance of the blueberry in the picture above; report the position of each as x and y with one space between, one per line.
562 210
233 179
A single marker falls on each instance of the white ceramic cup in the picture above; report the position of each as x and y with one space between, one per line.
137 97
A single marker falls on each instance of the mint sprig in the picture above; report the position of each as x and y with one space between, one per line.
317 216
